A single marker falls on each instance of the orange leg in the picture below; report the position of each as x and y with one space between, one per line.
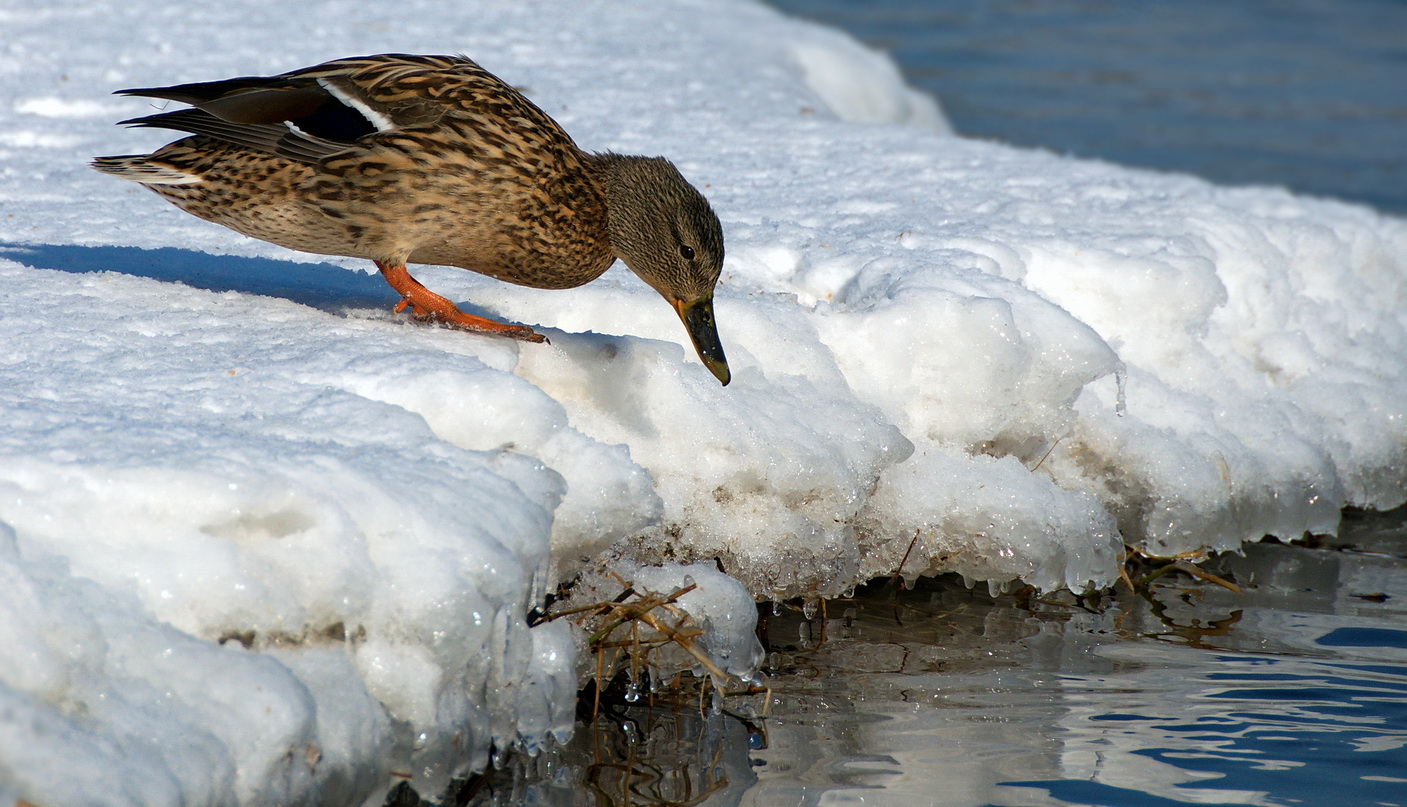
427 305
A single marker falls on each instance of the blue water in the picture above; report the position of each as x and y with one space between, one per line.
1282 731
1291 692
1309 94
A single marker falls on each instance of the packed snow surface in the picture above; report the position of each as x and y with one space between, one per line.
263 541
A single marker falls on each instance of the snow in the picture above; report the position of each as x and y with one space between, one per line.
262 541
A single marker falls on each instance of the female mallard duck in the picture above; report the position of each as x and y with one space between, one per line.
431 159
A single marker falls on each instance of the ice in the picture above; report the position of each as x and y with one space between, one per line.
716 604
765 475
262 541
984 518
863 85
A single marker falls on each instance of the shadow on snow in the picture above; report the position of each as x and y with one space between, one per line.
323 286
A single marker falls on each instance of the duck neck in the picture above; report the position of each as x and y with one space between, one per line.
623 181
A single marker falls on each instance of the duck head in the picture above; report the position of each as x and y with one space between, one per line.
665 231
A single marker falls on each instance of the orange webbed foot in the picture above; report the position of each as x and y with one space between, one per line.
427 306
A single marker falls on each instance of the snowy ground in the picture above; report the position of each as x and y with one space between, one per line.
1022 359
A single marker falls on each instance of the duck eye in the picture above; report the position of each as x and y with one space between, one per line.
687 251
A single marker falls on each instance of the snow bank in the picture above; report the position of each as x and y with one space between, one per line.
263 541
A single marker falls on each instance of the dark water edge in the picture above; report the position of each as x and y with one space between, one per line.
1293 691
1309 94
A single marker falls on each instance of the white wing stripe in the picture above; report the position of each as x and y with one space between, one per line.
381 122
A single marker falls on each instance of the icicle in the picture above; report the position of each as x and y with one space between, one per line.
632 689
537 593
1121 380
809 607
632 735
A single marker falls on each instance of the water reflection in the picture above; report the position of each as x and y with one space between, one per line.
1292 692
636 755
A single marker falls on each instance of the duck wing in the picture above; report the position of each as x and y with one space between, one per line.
311 114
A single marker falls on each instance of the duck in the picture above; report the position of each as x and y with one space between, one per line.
401 158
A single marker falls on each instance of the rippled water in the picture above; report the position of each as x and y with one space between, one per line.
1291 692
1306 93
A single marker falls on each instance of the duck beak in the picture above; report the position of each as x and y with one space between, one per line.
698 321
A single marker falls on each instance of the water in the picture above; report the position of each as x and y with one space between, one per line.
1309 94
1293 691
